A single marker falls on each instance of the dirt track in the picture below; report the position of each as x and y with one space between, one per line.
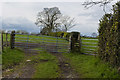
23 70
66 70
26 70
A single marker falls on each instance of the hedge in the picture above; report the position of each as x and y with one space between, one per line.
60 34
109 36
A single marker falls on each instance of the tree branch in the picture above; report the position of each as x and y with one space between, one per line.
91 3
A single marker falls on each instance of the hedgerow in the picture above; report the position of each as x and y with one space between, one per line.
109 36
60 34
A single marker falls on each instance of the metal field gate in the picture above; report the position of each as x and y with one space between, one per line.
41 43
89 46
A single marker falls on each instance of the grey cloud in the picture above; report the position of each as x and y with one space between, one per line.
19 24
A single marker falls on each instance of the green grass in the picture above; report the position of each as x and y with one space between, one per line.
91 67
4 37
45 40
89 38
11 57
42 40
47 66
35 39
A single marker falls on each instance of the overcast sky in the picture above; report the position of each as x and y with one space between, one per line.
86 19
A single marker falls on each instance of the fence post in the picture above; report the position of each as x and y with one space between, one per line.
69 39
12 39
27 41
1 42
6 39
75 42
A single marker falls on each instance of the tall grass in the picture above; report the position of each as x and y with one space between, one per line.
11 57
91 67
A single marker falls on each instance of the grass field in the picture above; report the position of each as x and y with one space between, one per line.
38 39
11 57
91 67
34 39
47 65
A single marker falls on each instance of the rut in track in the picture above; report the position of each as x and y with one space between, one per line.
66 70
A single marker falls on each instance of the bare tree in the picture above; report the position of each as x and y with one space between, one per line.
47 19
67 23
89 3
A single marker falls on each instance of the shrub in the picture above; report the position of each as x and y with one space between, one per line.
67 36
109 39
60 34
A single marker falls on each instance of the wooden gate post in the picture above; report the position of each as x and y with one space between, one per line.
6 39
1 42
75 42
12 39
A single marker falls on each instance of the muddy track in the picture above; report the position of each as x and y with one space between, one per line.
23 70
66 70
27 69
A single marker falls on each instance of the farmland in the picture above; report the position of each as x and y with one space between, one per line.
43 64
66 40
17 58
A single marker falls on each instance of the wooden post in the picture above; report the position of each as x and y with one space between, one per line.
75 42
1 42
12 39
6 40
69 43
